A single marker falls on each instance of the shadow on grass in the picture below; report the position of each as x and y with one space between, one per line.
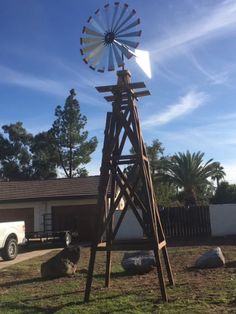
26 306
21 282
231 264
39 279
233 302
114 275
50 296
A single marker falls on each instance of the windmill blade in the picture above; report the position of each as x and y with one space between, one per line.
97 59
135 23
94 53
132 34
122 23
106 13
90 40
118 57
99 19
121 15
89 31
114 15
90 47
111 66
103 63
125 50
128 43
93 21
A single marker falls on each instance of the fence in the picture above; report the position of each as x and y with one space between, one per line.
186 222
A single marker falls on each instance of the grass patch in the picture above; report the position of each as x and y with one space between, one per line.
196 291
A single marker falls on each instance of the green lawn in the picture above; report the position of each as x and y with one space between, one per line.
196 291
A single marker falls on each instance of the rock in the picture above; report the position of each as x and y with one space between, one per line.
61 265
140 262
211 259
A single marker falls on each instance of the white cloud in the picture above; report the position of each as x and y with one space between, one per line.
214 78
45 85
222 18
13 77
188 103
215 136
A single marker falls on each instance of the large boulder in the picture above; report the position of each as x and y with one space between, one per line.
211 259
61 265
140 262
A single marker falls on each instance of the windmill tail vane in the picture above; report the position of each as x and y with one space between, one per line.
110 35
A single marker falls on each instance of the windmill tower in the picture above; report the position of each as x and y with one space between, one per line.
109 36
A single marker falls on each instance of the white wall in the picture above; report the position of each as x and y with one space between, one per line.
223 219
130 227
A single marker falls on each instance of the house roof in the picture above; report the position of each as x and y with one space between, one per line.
49 189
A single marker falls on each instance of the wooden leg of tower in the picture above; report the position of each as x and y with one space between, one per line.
108 269
108 257
90 272
156 224
168 267
165 253
160 272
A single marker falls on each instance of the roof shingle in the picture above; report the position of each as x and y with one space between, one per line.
49 189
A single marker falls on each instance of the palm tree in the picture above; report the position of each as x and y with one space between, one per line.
219 174
188 172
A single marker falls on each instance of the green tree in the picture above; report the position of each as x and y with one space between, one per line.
190 174
15 156
164 191
225 194
219 174
44 156
155 155
24 156
73 147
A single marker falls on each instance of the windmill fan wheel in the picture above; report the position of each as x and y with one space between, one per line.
110 35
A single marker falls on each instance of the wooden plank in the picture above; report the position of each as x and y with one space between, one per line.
127 245
161 245
111 88
122 157
142 94
112 98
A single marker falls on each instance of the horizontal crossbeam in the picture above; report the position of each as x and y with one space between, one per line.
129 245
120 88
136 95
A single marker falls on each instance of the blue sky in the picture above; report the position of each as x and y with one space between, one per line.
192 46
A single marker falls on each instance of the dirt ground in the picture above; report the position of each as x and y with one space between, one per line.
196 291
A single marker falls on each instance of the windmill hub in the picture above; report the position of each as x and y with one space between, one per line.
109 38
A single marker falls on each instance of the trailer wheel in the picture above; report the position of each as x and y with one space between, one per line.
67 239
10 250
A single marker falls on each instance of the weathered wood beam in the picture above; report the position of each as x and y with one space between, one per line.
120 88
112 98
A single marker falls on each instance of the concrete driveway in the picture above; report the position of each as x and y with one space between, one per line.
25 256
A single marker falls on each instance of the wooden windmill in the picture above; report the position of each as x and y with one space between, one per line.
110 35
